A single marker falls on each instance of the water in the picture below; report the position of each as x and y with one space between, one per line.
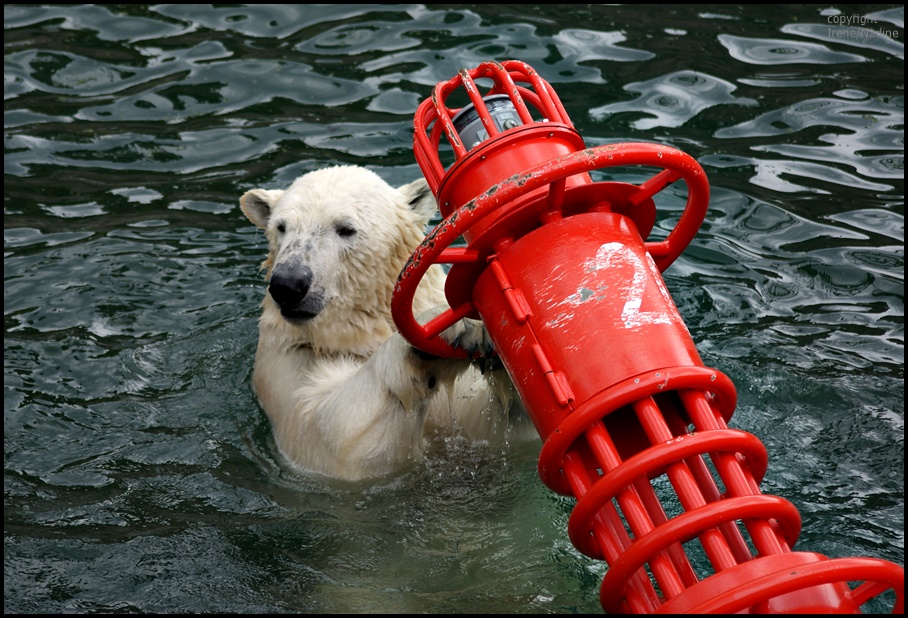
139 473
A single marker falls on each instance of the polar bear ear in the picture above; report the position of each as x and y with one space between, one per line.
257 205
420 199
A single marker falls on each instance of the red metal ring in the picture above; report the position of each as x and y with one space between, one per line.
680 164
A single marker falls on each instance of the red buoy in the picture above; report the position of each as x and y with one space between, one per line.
564 274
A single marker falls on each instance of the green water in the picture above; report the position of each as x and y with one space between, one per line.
139 473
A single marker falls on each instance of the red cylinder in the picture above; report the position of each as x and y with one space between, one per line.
581 315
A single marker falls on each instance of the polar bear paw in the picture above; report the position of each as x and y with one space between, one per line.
468 335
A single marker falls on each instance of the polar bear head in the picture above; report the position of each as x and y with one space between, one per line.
338 238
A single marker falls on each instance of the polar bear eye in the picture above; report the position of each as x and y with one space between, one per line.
345 230
280 227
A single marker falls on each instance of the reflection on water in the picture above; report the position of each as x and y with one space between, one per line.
139 473
674 99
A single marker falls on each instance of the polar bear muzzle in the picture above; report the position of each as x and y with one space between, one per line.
290 288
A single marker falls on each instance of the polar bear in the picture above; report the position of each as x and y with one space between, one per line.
346 395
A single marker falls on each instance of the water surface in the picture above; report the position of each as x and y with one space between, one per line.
139 472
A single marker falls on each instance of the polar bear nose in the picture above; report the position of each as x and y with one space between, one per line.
289 286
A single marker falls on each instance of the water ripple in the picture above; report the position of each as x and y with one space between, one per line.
227 87
868 136
272 21
674 99
578 45
93 18
783 51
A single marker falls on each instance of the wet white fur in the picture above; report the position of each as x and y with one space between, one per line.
346 395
